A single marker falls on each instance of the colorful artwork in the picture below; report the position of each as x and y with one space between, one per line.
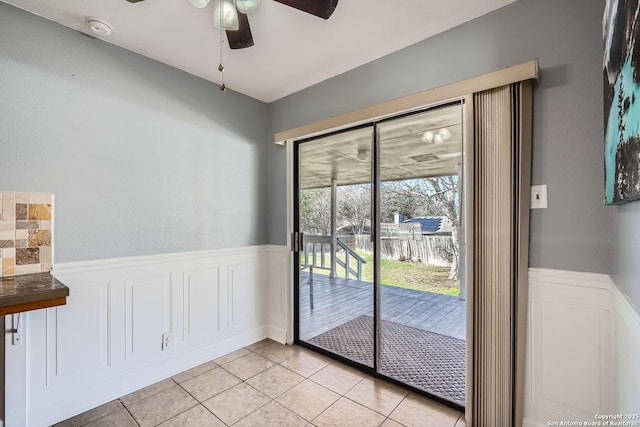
621 28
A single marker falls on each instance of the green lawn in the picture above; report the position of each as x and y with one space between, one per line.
405 274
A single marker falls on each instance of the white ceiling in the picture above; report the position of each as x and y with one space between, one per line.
293 50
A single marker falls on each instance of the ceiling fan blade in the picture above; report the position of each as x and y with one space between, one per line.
320 8
240 38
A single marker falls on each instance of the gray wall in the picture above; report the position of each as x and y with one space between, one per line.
142 158
625 249
573 233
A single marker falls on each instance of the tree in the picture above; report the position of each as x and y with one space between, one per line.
438 196
315 211
354 208
394 198
445 191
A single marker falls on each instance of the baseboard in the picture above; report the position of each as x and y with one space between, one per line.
277 334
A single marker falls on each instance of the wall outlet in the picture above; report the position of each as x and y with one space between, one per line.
539 196
167 340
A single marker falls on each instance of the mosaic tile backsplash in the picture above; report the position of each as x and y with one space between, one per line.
26 233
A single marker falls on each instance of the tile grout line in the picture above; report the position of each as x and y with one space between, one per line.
284 367
242 382
188 409
175 383
338 399
249 385
153 394
396 407
129 412
198 404
272 399
99 418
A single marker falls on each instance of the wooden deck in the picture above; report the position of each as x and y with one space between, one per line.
337 301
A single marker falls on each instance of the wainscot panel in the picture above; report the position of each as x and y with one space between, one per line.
279 259
131 322
626 354
568 372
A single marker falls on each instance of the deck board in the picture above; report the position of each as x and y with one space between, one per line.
338 300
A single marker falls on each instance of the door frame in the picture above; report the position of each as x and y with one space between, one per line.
293 211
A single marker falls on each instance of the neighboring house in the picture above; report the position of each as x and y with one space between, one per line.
432 225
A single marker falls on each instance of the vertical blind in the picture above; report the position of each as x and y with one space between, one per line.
501 178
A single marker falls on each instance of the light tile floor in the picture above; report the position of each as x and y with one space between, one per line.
269 384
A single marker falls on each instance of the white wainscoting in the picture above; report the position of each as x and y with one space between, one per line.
107 341
569 355
583 337
626 354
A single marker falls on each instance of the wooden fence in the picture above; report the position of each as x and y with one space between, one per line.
406 242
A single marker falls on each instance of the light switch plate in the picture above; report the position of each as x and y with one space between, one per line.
539 196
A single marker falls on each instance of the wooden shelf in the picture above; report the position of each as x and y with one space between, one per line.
31 292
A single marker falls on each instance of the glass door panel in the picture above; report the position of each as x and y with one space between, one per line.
422 317
335 293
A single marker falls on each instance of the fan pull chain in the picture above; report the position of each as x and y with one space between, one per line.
223 87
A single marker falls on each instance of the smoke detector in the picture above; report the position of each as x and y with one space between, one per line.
98 27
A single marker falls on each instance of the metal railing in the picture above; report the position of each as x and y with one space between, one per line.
317 254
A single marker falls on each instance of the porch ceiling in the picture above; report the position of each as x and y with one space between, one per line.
403 153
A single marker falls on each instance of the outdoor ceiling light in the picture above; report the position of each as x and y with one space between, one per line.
427 137
445 133
364 155
438 137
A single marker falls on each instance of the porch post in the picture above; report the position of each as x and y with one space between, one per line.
334 226
462 252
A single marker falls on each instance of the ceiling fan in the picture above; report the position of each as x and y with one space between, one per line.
238 29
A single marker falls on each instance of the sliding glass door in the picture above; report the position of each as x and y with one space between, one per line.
335 307
422 319
377 249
